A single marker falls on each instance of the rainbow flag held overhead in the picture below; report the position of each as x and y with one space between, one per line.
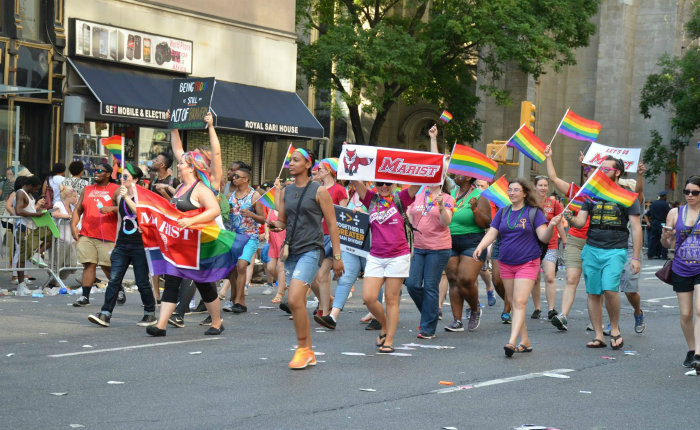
528 144
288 157
268 199
579 128
114 146
467 161
446 116
497 193
601 187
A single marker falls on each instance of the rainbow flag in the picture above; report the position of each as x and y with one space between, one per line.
467 161
528 144
497 193
601 187
114 146
579 128
268 199
288 157
202 252
446 116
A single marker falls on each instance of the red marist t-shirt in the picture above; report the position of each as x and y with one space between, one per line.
95 224
338 194
581 233
552 208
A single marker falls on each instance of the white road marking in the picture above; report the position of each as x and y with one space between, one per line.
656 300
126 348
547 373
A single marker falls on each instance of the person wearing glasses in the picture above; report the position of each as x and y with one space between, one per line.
605 254
682 229
519 256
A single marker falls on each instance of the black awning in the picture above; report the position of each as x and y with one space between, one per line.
265 111
127 93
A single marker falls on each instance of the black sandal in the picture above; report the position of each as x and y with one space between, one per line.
382 338
598 343
522 348
384 349
619 336
510 349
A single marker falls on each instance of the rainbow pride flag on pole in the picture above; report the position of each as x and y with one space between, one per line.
288 157
467 161
579 128
446 116
268 199
497 193
601 187
528 144
114 146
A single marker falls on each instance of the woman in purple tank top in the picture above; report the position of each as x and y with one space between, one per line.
685 268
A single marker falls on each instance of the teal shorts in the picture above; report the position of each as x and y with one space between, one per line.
602 268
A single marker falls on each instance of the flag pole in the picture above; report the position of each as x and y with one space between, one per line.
123 159
444 173
285 159
506 144
558 127
580 189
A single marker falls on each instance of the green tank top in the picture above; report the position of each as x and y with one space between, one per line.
463 217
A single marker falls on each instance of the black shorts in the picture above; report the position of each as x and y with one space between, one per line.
682 284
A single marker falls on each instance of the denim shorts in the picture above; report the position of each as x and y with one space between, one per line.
264 254
496 250
328 246
465 244
303 267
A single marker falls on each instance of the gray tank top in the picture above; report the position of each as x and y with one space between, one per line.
309 232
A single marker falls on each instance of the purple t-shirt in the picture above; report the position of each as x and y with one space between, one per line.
518 245
386 226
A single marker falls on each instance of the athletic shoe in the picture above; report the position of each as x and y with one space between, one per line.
506 318
228 306
245 290
536 315
212 331
639 325
155 331
302 357
423 335
440 315
22 290
559 321
207 321
200 309
176 321
54 291
689 358
695 364
268 290
99 319
81 302
239 308
455 326
552 313
474 320
147 321
192 304
121 297
285 307
38 261
492 297
373 325
606 330
589 327
326 321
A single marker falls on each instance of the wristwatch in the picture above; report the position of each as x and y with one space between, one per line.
337 257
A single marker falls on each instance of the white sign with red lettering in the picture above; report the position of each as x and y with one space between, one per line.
596 155
399 166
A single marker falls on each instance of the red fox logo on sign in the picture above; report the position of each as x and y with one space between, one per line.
353 162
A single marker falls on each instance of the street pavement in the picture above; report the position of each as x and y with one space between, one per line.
241 379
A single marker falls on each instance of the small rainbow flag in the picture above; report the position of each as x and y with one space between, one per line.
497 193
528 144
579 128
468 161
114 146
288 157
268 199
446 116
601 187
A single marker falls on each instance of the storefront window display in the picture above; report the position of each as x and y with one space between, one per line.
153 141
86 145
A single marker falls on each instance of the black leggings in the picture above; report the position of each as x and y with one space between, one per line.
172 286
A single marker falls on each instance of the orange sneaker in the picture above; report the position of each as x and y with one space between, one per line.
303 357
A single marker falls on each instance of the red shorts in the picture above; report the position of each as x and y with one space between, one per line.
528 270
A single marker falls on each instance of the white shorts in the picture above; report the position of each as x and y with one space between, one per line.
396 267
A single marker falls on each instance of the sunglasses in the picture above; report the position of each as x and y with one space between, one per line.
608 169
237 176
695 193
383 184
541 177
100 171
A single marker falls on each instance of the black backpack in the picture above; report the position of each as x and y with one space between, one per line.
543 245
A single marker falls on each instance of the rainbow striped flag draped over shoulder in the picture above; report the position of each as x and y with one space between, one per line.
201 252
579 128
528 144
601 187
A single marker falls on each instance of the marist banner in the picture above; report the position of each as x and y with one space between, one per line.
370 163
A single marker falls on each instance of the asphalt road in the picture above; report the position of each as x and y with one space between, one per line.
241 379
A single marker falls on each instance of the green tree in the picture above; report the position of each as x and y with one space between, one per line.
375 51
677 88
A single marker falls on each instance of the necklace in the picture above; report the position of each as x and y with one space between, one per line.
461 200
516 218
385 202
129 217
296 194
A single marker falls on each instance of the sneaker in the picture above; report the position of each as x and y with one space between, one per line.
474 320
689 358
589 327
147 321
14 281
228 306
559 321
373 325
326 321
81 302
54 291
423 335
212 331
22 290
492 297
506 318
99 319
455 326
192 304
176 321
38 261
200 309
302 357
552 313
606 330
207 321
155 331
239 308
245 290
695 364
268 290
285 307
536 315
121 297
639 325
440 315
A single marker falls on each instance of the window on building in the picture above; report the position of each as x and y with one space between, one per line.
31 19
33 69
153 141
87 147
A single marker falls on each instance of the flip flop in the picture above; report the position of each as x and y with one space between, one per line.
384 349
523 348
597 344
382 338
622 343
510 349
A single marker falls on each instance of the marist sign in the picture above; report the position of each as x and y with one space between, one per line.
369 163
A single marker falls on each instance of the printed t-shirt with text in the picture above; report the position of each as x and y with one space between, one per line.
95 224
386 227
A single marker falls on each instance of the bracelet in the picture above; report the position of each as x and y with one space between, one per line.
635 258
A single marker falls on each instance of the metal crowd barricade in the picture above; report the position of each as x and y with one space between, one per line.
22 244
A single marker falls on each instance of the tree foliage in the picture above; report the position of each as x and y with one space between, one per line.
376 51
677 88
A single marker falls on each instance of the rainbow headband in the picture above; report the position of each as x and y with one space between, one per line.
330 164
200 166
304 154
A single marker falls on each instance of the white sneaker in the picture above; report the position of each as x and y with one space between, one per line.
28 281
193 304
15 281
268 290
246 290
54 291
23 291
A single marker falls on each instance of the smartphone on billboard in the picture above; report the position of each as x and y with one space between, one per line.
113 41
130 47
96 42
104 43
85 47
137 47
147 50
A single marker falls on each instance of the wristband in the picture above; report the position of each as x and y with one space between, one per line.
635 258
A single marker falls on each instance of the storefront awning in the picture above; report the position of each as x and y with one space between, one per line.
265 111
